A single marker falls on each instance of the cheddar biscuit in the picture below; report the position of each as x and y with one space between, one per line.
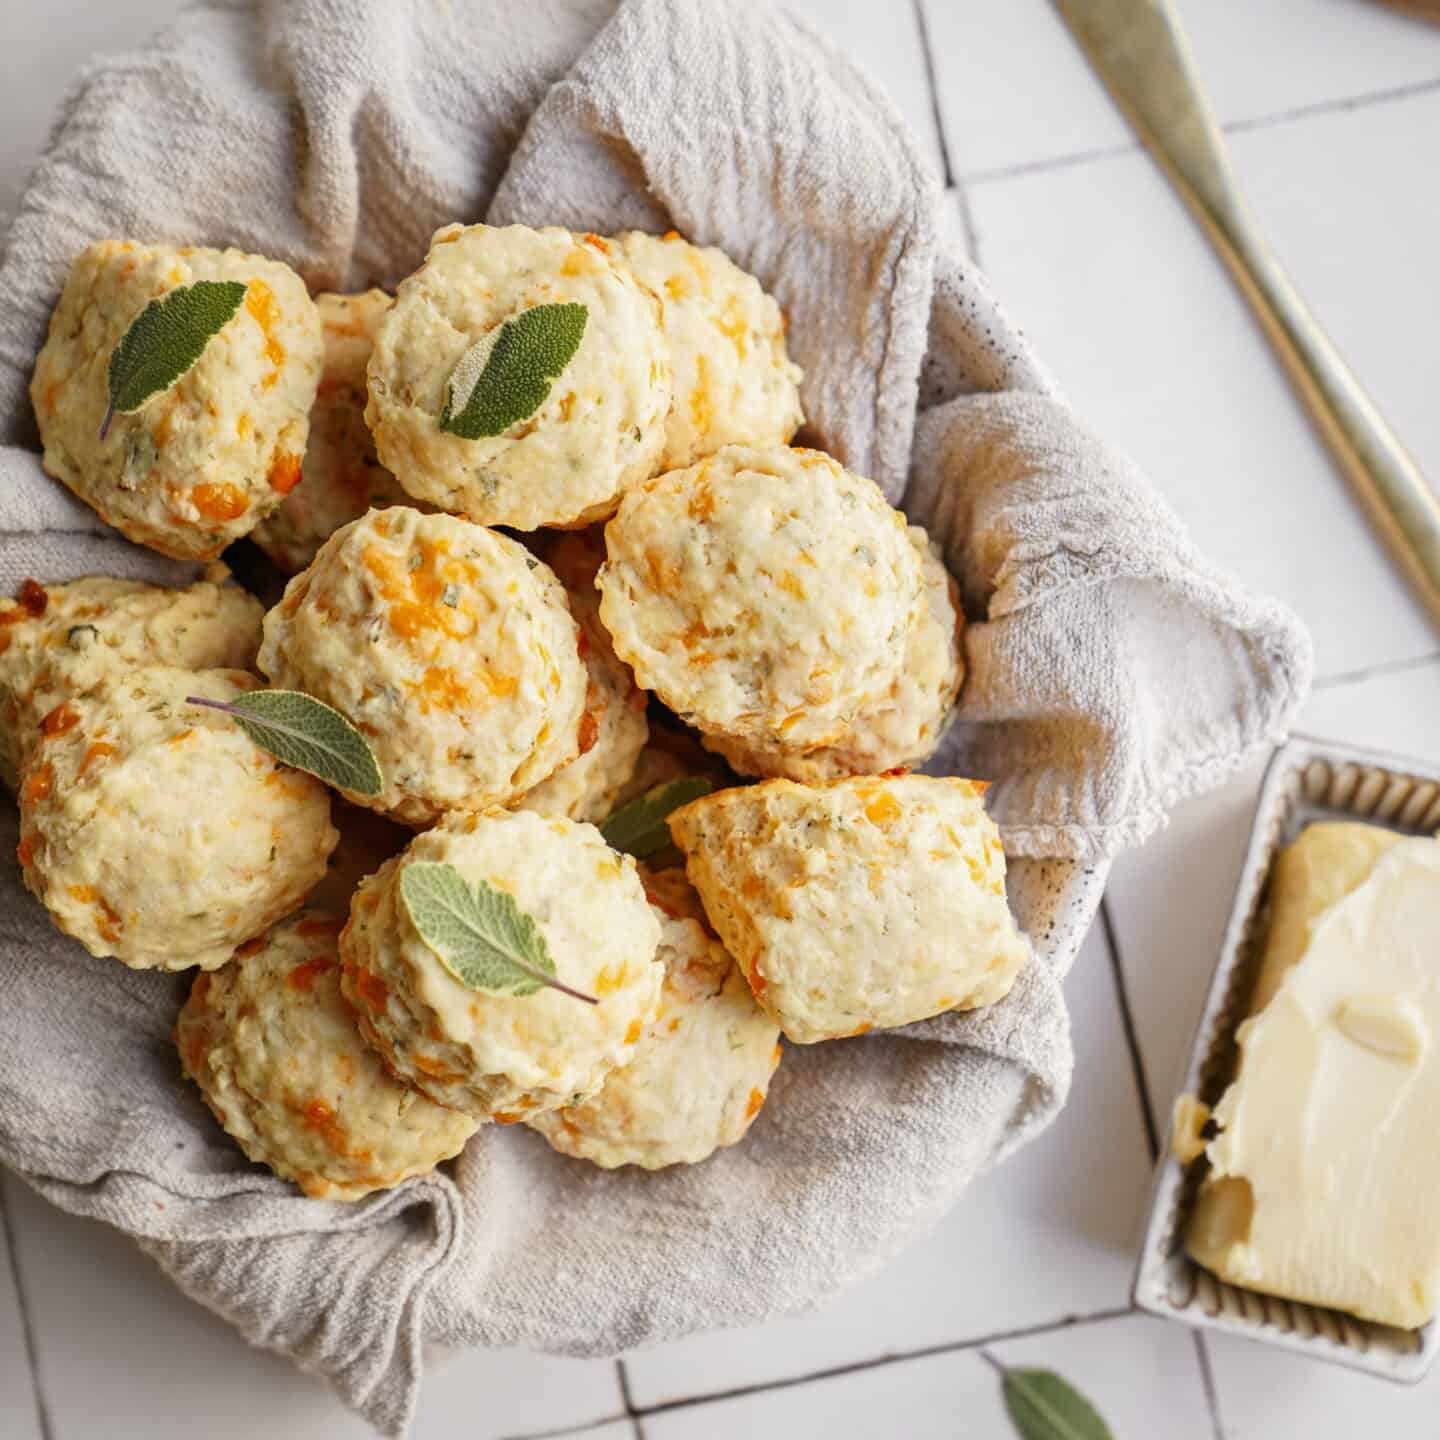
449 646
613 729
202 463
599 431
734 382
158 831
763 595
61 640
901 728
858 904
702 1067
340 477
503 1056
276 1052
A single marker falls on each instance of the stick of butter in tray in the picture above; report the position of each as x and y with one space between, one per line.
1324 1172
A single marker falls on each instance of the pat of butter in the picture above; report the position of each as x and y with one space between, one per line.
1386 1024
1324 1181
1188 1120
1324 864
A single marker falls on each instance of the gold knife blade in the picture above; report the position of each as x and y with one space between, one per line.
1138 50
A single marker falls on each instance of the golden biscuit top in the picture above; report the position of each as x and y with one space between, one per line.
202 462
600 428
762 594
734 382
448 645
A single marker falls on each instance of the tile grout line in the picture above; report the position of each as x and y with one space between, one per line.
561 1431
947 169
1207 1384
1246 125
27 1325
637 1413
878 1362
927 56
1152 1137
1333 107
622 1374
582 1428
938 118
1132 1040
1058 162
1372 672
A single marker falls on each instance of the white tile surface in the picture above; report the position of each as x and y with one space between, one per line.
1342 199
1170 902
1391 711
1153 346
492 1393
1048 1235
615 1430
1015 90
153 1361
1281 55
148 1356
19 1414
1140 1374
1265 1393
1132 1370
39 62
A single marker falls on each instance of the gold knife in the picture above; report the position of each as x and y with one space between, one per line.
1420 9
1138 50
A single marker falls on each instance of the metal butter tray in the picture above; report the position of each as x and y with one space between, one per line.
1306 780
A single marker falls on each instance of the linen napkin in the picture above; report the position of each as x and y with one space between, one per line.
1111 670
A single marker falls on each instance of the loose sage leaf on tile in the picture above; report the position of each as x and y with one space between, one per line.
1044 1406
478 933
306 733
638 828
165 340
504 377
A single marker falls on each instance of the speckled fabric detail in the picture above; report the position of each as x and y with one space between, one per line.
337 136
1113 670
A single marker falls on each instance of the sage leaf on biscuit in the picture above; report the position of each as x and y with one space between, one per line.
638 828
305 732
1044 1406
165 340
478 933
504 377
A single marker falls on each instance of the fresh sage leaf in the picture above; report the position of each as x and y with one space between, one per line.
1043 1406
306 733
638 828
504 377
165 340
480 935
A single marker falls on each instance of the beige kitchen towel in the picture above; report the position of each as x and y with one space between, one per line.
1111 670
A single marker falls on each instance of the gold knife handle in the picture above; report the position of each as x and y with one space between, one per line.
1401 504
1138 50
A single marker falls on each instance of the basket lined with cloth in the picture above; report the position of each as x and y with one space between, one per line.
1110 670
